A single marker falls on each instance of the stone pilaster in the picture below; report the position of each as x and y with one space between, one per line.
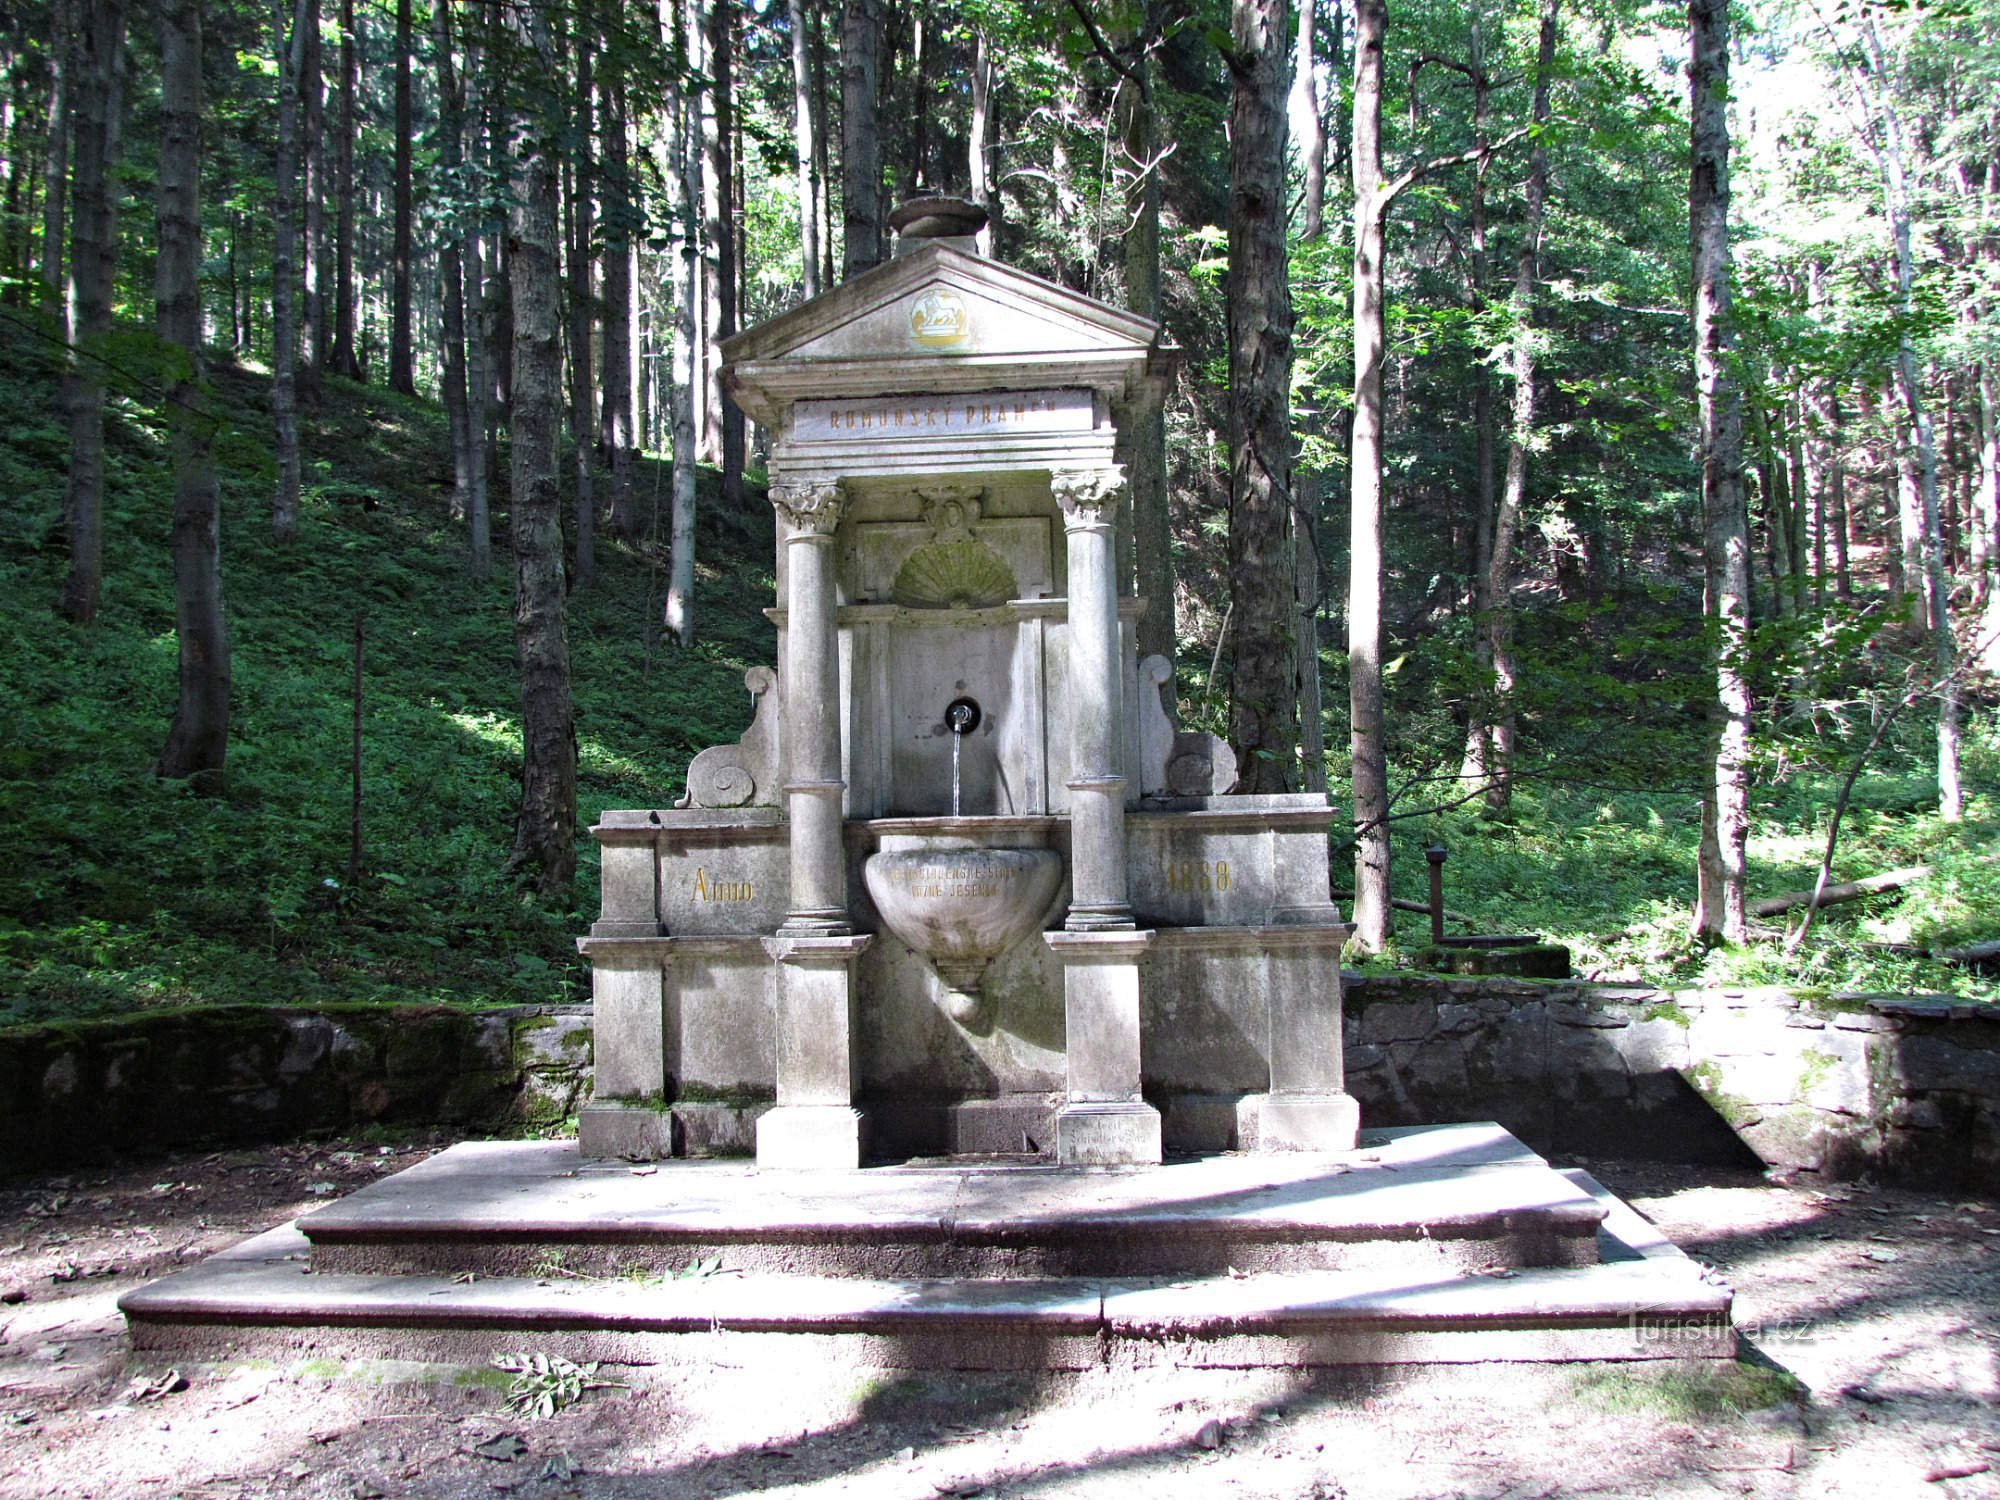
1098 894
809 515
1308 1107
814 1125
1105 1122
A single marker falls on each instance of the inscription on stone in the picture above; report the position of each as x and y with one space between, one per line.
707 887
890 417
1198 875
943 882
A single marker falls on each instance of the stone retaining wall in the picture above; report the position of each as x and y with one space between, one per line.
1900 1086
79 1091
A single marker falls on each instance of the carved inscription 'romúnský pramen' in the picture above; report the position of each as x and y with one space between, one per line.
707 887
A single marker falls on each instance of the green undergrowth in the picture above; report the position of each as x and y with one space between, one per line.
1684 1393
1612 875
121 892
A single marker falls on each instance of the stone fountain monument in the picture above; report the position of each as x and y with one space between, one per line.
963 886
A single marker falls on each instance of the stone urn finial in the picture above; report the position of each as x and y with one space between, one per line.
936 216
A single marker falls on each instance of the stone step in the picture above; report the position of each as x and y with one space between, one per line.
1439 1201
262 1300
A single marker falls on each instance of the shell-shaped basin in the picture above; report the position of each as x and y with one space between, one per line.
963 906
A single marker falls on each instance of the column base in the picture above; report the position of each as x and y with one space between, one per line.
810 1137
1108 1135
1302 1122
638 1132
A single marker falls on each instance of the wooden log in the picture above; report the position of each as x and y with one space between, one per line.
1853 890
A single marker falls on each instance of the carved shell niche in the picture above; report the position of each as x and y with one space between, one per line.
953 575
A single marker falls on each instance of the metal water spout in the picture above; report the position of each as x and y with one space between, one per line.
961 717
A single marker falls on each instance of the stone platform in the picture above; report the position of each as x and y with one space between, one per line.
1444 1244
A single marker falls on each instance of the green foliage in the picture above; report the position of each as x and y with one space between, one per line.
121 892
543 1384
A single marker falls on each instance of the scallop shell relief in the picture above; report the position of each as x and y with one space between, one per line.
953 575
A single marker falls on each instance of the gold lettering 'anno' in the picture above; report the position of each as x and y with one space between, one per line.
708 888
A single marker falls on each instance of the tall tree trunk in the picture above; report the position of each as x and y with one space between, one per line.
288 30
451 260
545 830
1307 127
1369 772
345 362
860 139
1474 768
1263 710
580 174
1987 510
686 147
1499 585
478 346
65 20
1719 907
981 171
718 199
822 144
315 341
198 741
619 438
97 109
802 143
402 358
1151 525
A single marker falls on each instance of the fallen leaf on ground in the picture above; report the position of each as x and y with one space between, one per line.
503 1448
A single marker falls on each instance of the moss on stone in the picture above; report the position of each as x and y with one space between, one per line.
1706 1078
1668 1010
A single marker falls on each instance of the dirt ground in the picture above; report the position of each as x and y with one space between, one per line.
1872 1370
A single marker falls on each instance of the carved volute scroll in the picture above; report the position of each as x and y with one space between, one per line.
1176 762
1088 497
744 774
813 508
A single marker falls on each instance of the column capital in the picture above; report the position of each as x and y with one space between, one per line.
811 508
1088 497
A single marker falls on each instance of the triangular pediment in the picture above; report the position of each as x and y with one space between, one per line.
941 303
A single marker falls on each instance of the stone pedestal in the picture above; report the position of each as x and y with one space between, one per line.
1308 1107
815 1124
627 1115
1104 1121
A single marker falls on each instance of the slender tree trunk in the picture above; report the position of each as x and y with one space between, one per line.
1307 127
1263 713
97 109
822 145
718 197
802 143
288 27
1152 527
451 260
687 333
581 176
1499 583
65 19
545 830
345 363
315 341
402 357
860 139
1369 769
1719 908
980 167
1987 511
198 741
478 363
619 439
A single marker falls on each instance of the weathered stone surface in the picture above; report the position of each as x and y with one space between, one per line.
1398 1022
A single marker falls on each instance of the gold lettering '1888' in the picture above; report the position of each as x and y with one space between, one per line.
1197 875
708 887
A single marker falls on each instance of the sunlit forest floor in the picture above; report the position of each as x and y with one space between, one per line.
1871 1370
120 892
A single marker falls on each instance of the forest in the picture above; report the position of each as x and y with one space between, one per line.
1584 451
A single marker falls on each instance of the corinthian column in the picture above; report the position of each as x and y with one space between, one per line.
809 513
1089 500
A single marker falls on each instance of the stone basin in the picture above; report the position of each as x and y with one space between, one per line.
961 904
